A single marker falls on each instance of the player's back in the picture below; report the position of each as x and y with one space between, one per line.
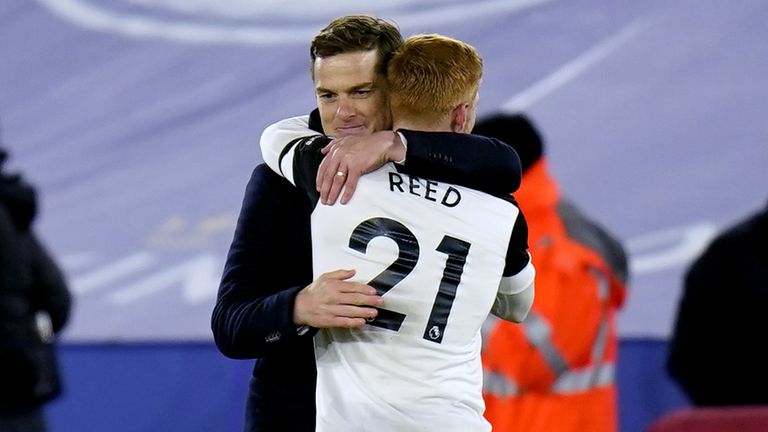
437 253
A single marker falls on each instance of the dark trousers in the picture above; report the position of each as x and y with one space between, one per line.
24 421
281 409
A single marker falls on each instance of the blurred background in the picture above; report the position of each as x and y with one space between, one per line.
138 121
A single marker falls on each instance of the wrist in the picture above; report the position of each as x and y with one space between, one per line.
399 148
298 319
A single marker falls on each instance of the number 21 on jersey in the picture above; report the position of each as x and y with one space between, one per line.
407 259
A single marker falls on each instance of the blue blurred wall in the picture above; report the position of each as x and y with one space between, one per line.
191 387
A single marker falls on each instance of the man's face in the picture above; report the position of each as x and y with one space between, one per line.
351 96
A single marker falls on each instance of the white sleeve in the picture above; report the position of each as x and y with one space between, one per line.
515 296
278 135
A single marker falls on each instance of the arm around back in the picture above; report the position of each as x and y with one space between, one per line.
277 136
516 288
477 162
474 161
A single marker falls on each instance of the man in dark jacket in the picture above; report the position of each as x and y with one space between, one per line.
716 353
34 306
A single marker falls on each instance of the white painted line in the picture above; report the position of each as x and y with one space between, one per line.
89 15
102 277
462 12
669 248
570 70
198 279
77 261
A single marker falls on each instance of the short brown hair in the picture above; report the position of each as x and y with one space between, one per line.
354 33
433 74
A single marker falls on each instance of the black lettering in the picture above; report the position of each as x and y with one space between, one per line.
430 190
414 184
395 184
457 197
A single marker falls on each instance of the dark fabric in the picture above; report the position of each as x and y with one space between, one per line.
517 251
477 162
306 162
315 123
717 353
269 261
19 200
31 420
34 305
282 397
518 131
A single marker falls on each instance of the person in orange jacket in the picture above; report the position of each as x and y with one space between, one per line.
556 370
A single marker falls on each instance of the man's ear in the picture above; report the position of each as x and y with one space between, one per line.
459 117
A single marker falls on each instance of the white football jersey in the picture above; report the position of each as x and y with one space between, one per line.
436 252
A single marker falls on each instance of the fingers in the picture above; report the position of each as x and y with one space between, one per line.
351 316
360 299
347 322
329 165
325 176
325 282
338 182
321 172
334 301
331 177
346 160
349 187
324 169
341 274
330 146
344 311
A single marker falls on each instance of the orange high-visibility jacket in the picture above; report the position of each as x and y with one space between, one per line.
555 371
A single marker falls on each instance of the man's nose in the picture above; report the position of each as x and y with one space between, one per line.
346 107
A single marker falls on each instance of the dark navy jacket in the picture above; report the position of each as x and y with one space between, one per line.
30 283
270 260
715 352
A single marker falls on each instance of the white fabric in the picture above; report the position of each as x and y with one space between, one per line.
514 307
515 296
405 144
376 379
277 135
